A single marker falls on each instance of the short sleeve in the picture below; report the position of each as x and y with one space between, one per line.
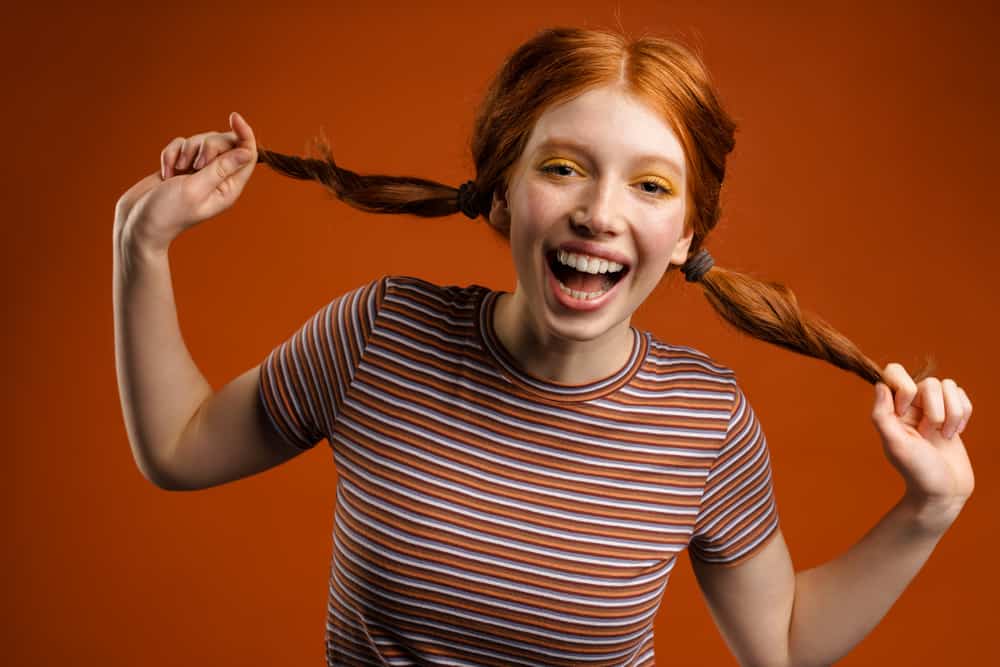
304 380
738 512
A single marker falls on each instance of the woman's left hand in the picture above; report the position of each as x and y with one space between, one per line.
920 432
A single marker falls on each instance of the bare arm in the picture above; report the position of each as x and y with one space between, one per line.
160 387
183 435
838 603
770 616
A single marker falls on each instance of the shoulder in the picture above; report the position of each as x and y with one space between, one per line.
685 363
413 291
413 305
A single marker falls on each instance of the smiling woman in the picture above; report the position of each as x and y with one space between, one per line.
518 472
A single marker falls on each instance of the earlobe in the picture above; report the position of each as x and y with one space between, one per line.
499 198
499 213
680 254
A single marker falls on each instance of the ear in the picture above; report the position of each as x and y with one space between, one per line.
499 212
680 253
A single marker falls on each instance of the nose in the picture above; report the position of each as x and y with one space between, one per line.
598 213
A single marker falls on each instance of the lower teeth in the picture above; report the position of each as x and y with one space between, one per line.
585 296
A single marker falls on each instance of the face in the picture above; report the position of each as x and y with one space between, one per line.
601 180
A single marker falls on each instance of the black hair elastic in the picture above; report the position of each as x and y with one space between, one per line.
695 267
467 199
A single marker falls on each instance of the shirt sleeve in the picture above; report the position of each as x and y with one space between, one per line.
738 513
304 380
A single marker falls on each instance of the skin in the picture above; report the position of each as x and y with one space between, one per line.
768 613
602 193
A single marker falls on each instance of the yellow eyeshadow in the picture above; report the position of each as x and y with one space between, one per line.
662 182
560 162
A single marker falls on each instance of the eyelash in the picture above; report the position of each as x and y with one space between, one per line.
548 169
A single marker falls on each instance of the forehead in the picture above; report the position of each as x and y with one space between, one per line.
610 126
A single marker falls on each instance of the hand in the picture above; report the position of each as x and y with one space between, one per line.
920 432
216 166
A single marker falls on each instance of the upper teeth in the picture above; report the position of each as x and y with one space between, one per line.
588 263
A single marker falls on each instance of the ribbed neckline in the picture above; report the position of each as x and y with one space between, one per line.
554 391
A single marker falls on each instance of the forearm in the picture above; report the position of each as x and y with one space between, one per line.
838 603
160 387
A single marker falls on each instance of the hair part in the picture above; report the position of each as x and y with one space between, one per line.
551 68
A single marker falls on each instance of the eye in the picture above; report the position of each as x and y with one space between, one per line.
550 168
658 188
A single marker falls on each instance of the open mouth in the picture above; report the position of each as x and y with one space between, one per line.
583 281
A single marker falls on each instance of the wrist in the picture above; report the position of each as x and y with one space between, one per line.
133 255
132 245
931 516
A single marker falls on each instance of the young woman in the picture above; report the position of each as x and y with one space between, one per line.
518 472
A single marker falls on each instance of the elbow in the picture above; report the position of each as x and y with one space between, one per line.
158 476
158 479
165 484
804 659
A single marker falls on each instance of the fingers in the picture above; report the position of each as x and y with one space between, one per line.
198 150
902 385
883 415
968 409
930 399
201 157
244 133
944 405
213 145
953 407
246 151
168 156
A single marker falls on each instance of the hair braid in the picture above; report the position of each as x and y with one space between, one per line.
769 311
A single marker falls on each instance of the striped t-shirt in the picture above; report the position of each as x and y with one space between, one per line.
488 517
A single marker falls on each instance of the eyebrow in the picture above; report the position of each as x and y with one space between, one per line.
559 142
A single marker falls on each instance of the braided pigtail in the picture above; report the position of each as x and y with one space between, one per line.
376 193
770 312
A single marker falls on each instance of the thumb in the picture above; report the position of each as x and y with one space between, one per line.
884 413
223 168
234 160
217 186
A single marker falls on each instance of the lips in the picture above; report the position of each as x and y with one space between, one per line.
572 303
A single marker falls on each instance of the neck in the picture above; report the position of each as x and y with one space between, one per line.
554 359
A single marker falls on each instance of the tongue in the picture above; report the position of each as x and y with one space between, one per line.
585 282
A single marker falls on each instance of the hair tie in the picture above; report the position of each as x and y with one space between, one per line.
695 267
467 199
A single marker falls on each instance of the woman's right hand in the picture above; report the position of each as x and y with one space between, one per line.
199 178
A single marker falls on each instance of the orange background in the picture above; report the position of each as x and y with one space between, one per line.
863 177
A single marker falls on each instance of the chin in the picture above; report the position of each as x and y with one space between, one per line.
583 329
